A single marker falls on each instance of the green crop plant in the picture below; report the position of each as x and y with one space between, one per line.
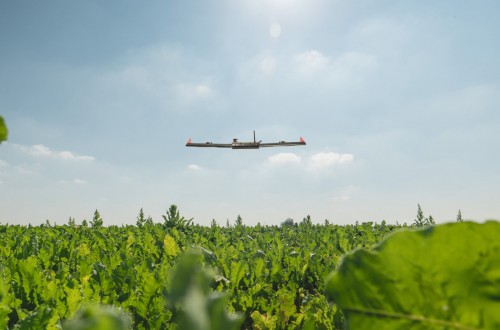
443 277
158 276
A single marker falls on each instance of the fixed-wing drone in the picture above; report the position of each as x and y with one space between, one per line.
246 145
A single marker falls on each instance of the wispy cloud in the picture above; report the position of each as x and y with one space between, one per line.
40 150
348 68
79 181
72 156
284 158
194 167
261 66
310 62
158 76
25 169
190 92
356 61
3 163
345 194
327 159
76 181
268 65
318 161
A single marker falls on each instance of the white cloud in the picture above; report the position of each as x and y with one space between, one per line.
24 169
384 35
341 199
345 69
40 150
310 62
356 61
275 30
326 159
268 65
260 67
194 167
136 76
353 67
79 181
469 104
3 163
194 91
160 76
71 156
203 90
284 158
345 194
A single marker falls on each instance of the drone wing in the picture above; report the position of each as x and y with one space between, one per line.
208 145
302 142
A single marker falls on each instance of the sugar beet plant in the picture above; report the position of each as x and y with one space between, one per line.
272 276
184 276
443 277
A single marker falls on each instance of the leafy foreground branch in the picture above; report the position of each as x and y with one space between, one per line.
443 277
3 130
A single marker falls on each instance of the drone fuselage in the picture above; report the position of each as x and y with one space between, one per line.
245 145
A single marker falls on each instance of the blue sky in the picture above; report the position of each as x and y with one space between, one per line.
397 100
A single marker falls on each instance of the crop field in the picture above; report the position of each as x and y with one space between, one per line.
177 275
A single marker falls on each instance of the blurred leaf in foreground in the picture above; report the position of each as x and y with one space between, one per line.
202 309
443 277
3 130
98 317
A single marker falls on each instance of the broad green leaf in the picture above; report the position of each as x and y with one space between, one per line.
73 297
171 248
4 307
30 275
286 306
263 322
259 267
238 270
130 241
443 277
41 318
83 250
149 287
3 130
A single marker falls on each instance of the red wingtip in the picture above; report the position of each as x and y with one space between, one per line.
189 141
302 140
